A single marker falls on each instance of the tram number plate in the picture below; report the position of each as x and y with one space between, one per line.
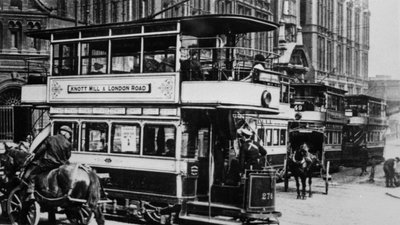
298 107
261 192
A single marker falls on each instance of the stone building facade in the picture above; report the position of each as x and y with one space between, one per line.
336 35
22 56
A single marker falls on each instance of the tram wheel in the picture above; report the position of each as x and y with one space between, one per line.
80 215
14 208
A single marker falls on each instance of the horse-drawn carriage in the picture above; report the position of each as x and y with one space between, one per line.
72 189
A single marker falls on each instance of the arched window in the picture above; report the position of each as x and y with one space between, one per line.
15 34
16 3
33 42
1 35
62 8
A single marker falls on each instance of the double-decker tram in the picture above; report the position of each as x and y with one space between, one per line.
366 125
155 107
318 121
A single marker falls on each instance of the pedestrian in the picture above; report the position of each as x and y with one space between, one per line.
364 157
251 151
52 153
389 167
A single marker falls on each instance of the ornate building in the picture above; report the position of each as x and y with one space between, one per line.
21 56
336 35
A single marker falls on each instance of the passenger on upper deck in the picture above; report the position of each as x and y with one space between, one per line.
258 65
191 68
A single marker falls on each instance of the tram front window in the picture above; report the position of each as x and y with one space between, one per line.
94 57
75 128
159 140
159 53
125 56
65 59
125 138
94 137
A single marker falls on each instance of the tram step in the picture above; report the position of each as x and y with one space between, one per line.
203 208
199 219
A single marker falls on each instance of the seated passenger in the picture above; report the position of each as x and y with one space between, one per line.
167 65
258 65
170 148
191 68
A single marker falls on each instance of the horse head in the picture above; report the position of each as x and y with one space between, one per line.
12 159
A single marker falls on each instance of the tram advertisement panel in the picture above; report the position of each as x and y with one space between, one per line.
160 88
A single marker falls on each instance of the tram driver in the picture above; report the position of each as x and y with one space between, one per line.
251 151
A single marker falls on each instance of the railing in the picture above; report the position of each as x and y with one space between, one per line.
227 63
6 123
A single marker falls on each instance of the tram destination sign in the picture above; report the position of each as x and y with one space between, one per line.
113 88
147 88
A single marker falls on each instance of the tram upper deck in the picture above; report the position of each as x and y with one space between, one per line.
188 61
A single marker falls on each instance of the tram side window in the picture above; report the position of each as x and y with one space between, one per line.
125 55
261 135
65 59
268 140
75 128
283 137
159 54
125 138
94 57
275 137
94 136
159 140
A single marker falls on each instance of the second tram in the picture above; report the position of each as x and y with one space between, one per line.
318 121
366 126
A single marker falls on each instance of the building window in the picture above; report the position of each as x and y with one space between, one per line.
15 34
16 3
340 19
62 8
99 9
357 25
349 21
348 61
33 42
340 59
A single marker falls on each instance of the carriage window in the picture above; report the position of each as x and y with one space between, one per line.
75 128
65 59
283 137
94 57
159 54
275 136
159 140
268 140
125 55
260 134
94 137
125 138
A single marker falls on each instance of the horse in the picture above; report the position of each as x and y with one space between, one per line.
301 165
72 187
390 173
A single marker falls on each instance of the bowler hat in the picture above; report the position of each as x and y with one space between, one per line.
66 128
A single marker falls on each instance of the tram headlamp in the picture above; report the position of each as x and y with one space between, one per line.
297 116
266 98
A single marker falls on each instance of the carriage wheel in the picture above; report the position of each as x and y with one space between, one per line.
14 208
80 215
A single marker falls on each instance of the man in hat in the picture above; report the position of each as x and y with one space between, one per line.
52 153
251 151
364 157
390 169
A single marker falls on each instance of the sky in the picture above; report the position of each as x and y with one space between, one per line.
384 53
